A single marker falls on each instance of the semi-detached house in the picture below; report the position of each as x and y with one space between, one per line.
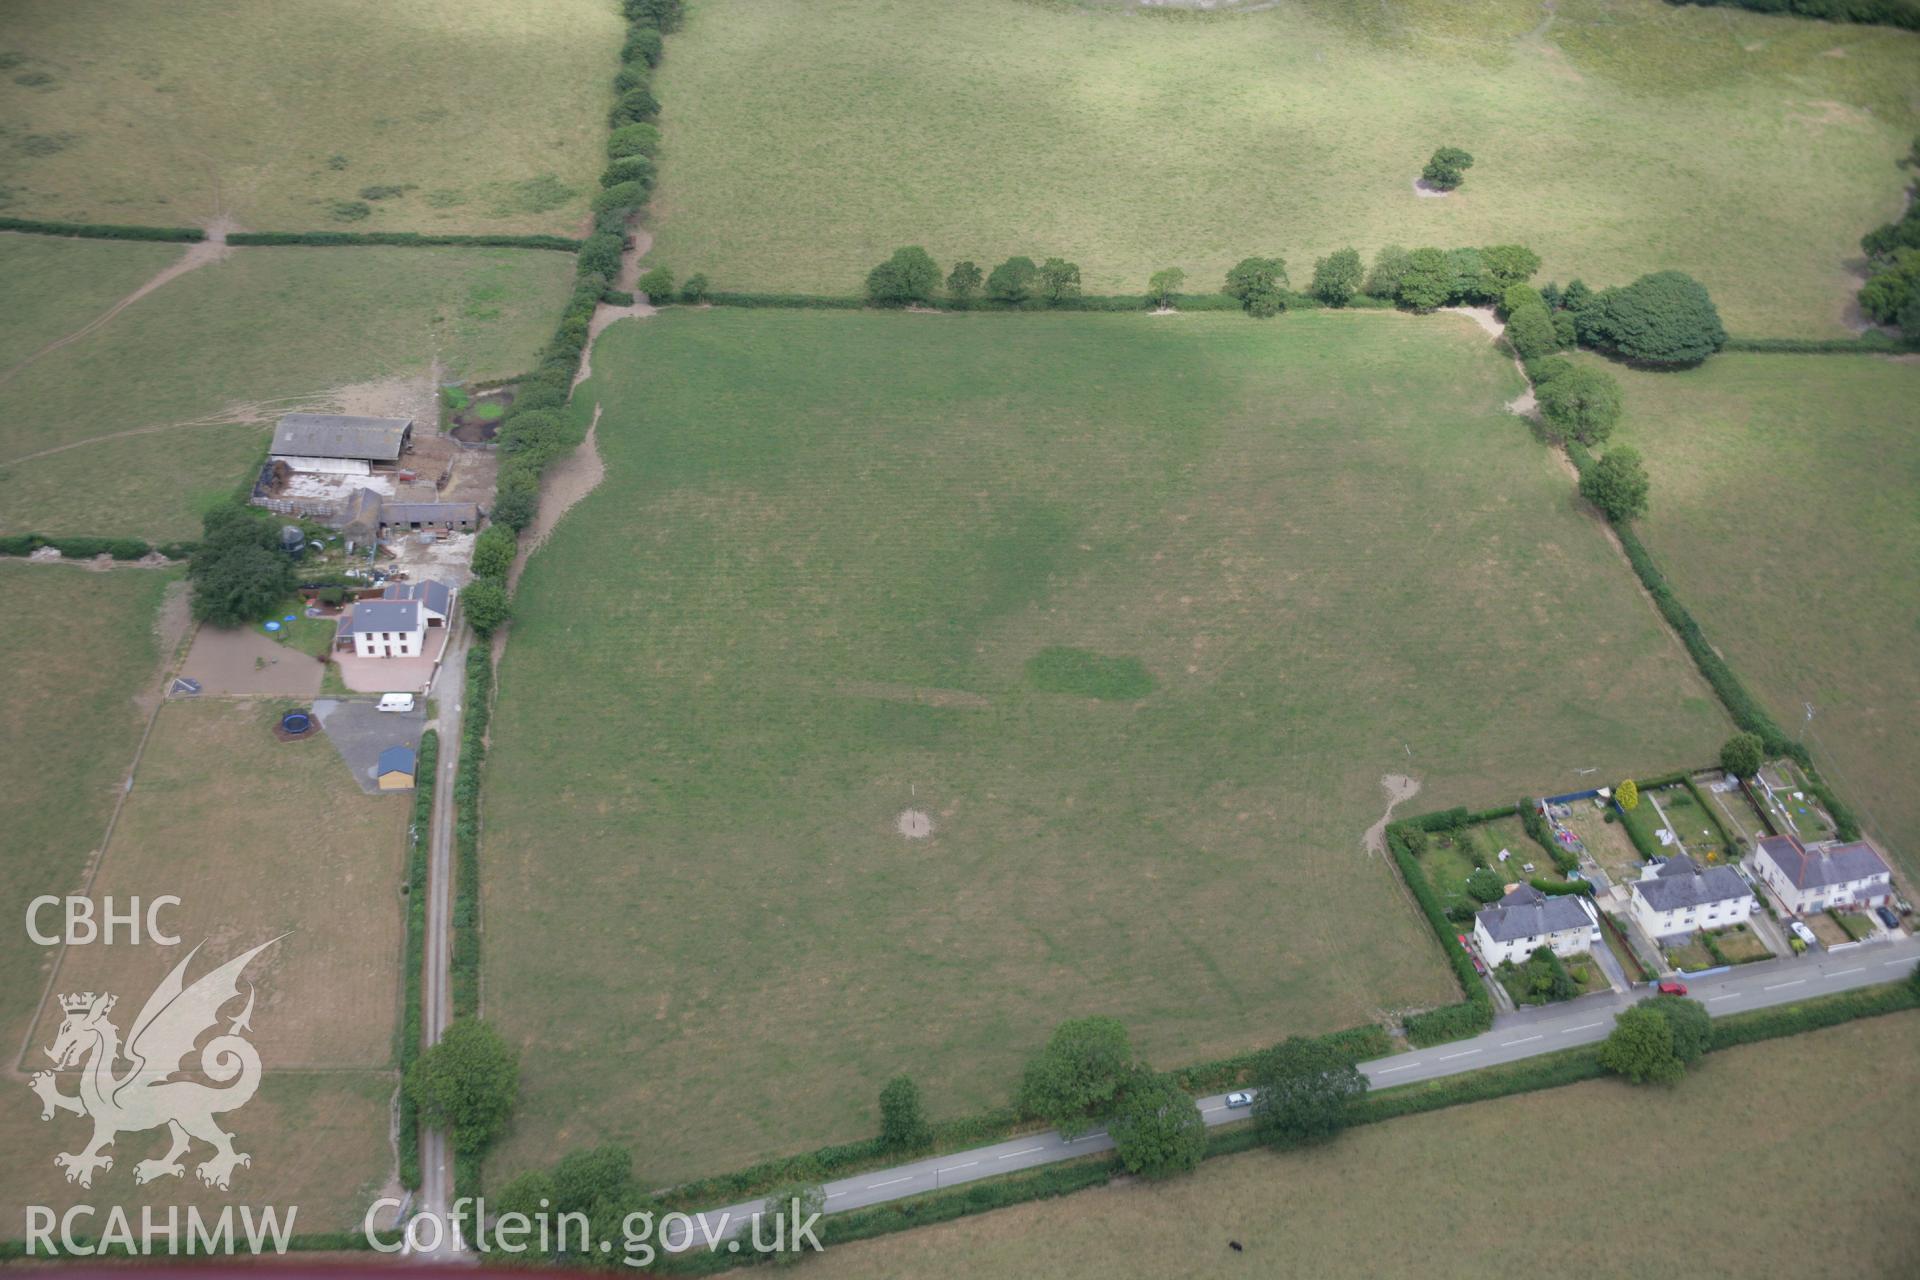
1678 896
1527 919
1829 875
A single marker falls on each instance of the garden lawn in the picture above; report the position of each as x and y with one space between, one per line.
806 139
138 426
1783 512
807 599
1390 1200
477 117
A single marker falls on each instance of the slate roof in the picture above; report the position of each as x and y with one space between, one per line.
332 435
1528 913
395 760
435 594
380 615
1680 883
430 513
1818 868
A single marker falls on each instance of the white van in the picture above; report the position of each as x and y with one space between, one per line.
396 702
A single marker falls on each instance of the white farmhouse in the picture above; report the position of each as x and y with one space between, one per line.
1829 875
1677 896
396 625
1527 919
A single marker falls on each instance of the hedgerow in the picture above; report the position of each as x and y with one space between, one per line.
102 230
403 239
419 845
1886 13
85 548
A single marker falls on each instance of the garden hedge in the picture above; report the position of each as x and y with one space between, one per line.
1474 1014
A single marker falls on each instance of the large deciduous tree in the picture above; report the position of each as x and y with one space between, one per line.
903 1123
1617 484
1446 168
1163 286
1426 280
467 1083
1743 754
1260 284
1078 1075
1663 318
1013 280
1305 1091
1157 1129
1337 277
909 276
1059 280
1582 402
238 571
1640 1047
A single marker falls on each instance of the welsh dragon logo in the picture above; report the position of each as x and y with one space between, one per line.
147 1096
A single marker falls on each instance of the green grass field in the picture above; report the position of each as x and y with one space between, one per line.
1783 511
1461 1193
489 116
806 600
170 403
805 139
55 286
71 730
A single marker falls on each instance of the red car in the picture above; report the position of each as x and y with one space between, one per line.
1673 988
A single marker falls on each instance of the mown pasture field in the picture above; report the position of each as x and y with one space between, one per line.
486 117
826 581
137 426
805 139
1407 1197
56 286
1782 509
71 729
258 839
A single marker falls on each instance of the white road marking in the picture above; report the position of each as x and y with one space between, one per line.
1524 1040
950 1168
1387 1071
1025 1151
835 1195
1841 973
1097 1133
1717 999
1207 1111
1585 1026
1449 1057
1776 986
892 1182
1889 964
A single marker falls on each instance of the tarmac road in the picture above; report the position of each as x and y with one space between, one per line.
1524 1034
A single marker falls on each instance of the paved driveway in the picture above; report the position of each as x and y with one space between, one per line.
392 675
360 733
